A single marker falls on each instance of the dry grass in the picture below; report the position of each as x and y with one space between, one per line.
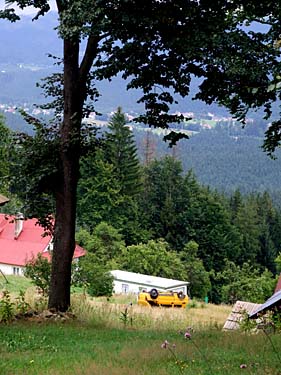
115 315
120 311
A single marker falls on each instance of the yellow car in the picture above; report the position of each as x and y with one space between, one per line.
165 299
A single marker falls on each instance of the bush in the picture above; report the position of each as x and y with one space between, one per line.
94 275
38 269
101 284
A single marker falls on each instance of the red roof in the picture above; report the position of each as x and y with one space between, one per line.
29 243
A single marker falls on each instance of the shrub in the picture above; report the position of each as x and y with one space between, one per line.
38 269
6 308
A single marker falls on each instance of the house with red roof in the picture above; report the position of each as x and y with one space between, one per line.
21 240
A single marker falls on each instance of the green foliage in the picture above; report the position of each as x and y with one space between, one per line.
165 201
204 227
98 192
21 305
245 283
121 152
275 318
38 269
246 324
198 277
35 186
94 275
153 258
5 155
223 159
103 246
110 181
7 308
100 284
278 263
126 316
216 236
106 242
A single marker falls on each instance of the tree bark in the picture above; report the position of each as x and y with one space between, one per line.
65 217
75 94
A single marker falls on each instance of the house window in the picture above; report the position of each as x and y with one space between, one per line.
125 288
16 271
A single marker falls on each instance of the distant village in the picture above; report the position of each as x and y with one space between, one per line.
193 121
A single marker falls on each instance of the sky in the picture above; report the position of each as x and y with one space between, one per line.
28 10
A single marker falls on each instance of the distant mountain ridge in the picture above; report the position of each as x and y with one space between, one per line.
29 42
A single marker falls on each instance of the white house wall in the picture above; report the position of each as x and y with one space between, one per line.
9 269
125 287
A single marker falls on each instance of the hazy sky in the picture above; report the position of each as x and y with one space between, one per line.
28 10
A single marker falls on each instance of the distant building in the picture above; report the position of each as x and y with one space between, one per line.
21 240
131 282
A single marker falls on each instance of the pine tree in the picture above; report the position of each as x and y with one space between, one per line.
121 152
110 182
98 192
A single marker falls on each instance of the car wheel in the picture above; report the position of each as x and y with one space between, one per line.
153 293
181 295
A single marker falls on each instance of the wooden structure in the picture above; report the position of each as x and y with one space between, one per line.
238 312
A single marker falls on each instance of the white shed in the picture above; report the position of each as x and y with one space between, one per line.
130 282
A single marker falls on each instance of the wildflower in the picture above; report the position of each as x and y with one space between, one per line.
243 365
165 345
187 335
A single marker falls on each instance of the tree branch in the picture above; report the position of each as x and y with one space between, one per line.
89 56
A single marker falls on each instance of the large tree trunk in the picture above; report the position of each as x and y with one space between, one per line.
65 217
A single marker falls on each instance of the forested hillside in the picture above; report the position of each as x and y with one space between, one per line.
155 218
170 225
222 161
229 163
218 159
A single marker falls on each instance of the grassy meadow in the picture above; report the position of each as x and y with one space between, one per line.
117 338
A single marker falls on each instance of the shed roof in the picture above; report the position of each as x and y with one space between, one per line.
237 314
3 200
147 280
273 301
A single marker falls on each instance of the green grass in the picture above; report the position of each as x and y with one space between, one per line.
100 343
15 283
76 348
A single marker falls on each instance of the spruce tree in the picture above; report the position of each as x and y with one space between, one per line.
110 183
121 152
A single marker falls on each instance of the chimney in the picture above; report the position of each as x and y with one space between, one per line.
18 224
